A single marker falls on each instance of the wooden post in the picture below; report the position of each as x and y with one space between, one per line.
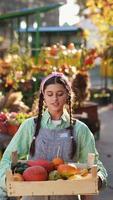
37 39
94 171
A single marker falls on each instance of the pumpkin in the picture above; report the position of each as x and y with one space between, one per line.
66 170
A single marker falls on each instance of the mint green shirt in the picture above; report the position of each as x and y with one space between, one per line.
22 140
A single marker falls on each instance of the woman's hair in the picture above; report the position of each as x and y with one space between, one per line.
53 79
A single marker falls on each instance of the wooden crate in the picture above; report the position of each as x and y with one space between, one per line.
87 185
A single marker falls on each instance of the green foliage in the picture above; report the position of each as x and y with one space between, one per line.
20 65
17 118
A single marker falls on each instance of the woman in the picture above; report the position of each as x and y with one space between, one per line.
41 137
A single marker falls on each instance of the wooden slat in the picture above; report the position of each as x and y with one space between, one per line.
86 185
59 187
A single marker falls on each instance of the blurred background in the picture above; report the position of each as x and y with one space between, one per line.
73 37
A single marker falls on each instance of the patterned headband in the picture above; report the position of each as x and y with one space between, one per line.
54 74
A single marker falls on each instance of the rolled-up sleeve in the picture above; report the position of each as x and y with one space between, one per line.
85 145
20 143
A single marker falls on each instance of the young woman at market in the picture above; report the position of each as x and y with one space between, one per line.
41 136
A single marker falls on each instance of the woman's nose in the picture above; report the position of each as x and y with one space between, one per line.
55 96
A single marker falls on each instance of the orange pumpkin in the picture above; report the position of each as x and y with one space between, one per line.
66 170
57 161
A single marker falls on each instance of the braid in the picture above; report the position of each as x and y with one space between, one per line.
38 123
71 129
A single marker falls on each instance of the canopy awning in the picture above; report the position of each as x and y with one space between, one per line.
29 11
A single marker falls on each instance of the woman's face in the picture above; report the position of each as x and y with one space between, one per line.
55 97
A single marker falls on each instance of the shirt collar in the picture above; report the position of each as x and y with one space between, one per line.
47 117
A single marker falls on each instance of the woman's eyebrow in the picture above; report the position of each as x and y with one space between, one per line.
49 91
56 91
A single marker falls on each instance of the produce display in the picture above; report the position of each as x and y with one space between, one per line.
56 177
43 170
10 122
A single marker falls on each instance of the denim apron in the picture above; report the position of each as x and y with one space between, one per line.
49 142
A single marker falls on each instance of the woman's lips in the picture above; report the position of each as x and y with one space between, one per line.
55 104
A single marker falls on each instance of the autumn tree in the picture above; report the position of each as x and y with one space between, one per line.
101 13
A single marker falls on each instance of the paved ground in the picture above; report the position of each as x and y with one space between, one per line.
105 148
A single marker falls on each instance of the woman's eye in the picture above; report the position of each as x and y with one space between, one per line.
60 94
50 95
